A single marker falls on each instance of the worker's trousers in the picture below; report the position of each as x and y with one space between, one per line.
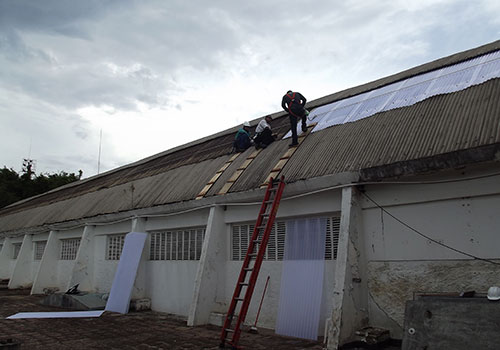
293 126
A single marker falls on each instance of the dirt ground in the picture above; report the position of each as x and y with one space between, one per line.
136 330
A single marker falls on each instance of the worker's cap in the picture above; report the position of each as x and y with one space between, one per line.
494 293
247 124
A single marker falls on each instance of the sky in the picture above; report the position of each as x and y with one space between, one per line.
150 75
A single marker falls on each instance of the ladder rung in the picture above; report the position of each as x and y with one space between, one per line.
255 254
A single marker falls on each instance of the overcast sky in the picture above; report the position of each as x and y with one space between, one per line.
153 75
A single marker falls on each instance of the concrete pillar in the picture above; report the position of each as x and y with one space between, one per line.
47 271
350 293
211 269
22 275
83 269
5 257
139 290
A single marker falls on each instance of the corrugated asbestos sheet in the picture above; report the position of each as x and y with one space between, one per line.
409 91
176 185
441 124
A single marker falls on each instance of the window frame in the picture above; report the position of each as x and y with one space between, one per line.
331 239
178 244
69 248
36 249
16 249
113 253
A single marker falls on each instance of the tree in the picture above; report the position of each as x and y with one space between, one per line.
14 186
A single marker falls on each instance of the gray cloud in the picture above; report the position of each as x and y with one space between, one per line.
58 56
53 16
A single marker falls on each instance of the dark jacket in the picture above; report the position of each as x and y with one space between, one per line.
242 140
294 104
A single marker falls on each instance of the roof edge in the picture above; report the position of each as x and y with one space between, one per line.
423 68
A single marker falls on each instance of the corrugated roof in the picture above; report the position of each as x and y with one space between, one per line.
438 125
409 91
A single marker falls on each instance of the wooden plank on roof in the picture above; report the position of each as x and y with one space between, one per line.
225 188
238 172
233 157
236 175
281 163
286 156
214 178
224 167
254 154
204 191
245 164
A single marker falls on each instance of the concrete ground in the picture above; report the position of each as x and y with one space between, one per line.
136 330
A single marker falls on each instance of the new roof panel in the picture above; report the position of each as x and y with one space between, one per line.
415 89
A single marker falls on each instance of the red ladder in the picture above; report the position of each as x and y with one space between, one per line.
256 249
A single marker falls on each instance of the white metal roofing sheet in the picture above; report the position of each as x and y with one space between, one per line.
408 92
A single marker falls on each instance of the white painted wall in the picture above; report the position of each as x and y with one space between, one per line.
5 259
20 277
170 285
35 265
104 270
463 215
7 263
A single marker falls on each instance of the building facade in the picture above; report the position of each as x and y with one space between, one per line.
399 180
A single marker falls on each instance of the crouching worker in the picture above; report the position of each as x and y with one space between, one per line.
264 136
242 139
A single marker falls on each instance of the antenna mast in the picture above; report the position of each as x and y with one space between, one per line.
99 157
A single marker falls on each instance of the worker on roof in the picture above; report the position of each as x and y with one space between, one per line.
294 104
263 134
242 139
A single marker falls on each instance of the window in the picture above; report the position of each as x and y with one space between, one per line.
69 248
39 249
17 249
332 238
177 244
241 234
114 246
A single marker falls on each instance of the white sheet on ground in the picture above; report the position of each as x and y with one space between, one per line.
62 314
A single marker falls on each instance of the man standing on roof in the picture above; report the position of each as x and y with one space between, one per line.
263 134
294 104
242 139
